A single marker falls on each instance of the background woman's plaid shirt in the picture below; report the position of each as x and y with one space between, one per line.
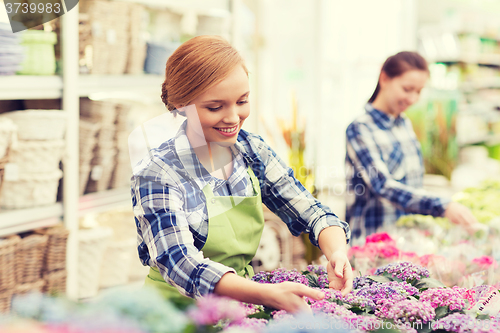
171 215
384 173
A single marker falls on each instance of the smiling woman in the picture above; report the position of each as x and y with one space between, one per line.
198 197
384 166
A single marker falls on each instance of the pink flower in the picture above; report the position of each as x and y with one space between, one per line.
389 252
485 262
211 309
381 237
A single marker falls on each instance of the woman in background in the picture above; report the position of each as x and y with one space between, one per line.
384 165
198 197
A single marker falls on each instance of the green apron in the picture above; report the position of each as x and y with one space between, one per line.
235 226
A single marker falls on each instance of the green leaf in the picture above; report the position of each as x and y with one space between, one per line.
483 316
441 311
379 278
260 315
305 272
313 281
426 283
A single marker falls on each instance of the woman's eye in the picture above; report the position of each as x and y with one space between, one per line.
407 89
214 109
243 102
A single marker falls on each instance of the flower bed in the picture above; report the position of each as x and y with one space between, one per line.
399 297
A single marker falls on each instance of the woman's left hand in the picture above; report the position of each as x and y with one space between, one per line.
340 272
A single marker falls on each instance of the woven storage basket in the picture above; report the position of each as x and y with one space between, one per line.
115 268
102 112
30 190
24 288
55 251
39 124
84 177
37 156
92 244
88 136
106 135
8 262
5 300
30 252
100 177
55 282
8 131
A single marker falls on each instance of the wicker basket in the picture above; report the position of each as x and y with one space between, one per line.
39 124
102 112
5 300
30 252
46 154
88 136
55 253
24 288
92 244
8 262
55 282
8 131
30 190
115 268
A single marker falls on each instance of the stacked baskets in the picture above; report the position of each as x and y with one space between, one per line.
92 244
88 141
34 261
110 39
34 160
54 262
103 159
8 137
124 125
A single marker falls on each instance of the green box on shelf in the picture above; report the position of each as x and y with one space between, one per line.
39 54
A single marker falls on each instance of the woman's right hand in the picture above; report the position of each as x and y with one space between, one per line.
289 296
461 215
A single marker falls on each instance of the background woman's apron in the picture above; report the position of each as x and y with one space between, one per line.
235 226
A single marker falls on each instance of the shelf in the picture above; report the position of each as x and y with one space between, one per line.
103 201
50 87
21 220
109 84
30 87
215 8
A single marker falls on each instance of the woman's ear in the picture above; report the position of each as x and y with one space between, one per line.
383 79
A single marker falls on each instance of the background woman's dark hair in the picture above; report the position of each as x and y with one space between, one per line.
398 64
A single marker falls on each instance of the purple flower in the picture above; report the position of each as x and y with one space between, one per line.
281 314
396 291
463 323
361 281
251 324
405 311
211 309
405 271
331 295
316 269
252 308
281 275
443 297
323 281
331 308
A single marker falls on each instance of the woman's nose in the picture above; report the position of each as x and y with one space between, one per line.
231 116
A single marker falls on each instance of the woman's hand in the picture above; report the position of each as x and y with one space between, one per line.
461 215
340 272
289 296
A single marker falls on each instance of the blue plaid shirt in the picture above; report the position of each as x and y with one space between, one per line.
171 214
384 173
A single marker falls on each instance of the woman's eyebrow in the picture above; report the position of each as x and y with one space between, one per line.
221 100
